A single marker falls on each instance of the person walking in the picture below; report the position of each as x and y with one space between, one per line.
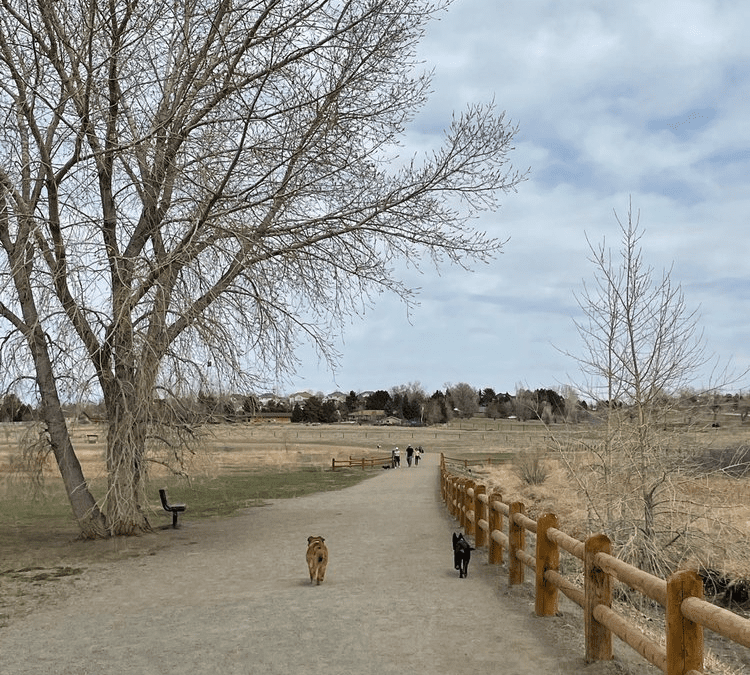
409 455
418 455
396 455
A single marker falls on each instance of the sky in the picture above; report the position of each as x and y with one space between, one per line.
642 101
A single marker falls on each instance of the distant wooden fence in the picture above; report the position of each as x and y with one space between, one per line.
686 613
361 462
466 463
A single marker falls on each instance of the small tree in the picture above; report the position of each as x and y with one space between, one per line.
641 346
525 405
487 396
297 414
436 409
352 401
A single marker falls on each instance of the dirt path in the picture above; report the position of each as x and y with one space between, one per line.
233 596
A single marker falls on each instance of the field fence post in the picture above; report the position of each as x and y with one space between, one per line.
684 637
333 464
496 523
517 541
480 536
597 591
547 558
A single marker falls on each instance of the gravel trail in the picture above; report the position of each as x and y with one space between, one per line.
233 595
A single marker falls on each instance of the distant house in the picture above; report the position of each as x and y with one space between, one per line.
269 399
274 417
300 398
337 396
367 416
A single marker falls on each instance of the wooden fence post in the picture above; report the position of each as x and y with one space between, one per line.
684 637
463 498
496 523
597 591
517 540
469 503
480 536
547 558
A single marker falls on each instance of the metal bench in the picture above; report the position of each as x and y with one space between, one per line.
174 509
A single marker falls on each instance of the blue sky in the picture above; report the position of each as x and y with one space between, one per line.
642 100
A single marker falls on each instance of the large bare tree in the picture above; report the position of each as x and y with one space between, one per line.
212 181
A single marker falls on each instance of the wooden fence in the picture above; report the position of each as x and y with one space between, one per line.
466 463
686 613
363 462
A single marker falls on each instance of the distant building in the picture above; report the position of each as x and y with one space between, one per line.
300 398
269 399
273 418
367 416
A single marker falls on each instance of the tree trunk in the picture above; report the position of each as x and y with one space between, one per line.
126 444
85 510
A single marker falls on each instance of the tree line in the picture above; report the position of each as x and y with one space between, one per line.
408 403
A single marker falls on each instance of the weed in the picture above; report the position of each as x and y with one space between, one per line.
530 467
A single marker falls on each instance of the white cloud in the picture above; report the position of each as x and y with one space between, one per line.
641 100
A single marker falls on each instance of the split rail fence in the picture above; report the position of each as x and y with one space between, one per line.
483 515
361 462
466 463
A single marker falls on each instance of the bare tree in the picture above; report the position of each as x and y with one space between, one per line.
641 347
188 190
464 397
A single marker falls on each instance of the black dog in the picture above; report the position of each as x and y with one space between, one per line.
461 554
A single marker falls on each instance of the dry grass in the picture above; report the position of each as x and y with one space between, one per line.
715 503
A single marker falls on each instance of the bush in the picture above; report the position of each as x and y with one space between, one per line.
530 467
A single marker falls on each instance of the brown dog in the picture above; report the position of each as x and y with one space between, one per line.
317 558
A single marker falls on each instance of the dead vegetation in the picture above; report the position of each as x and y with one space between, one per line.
704 501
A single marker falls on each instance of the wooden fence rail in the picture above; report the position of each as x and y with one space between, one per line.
363 462
466 463
686 613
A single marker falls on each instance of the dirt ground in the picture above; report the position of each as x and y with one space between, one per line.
233 595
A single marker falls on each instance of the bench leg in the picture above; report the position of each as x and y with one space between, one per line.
174 519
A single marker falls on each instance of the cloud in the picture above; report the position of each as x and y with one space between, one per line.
616 102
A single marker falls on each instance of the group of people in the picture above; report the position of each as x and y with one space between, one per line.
412 455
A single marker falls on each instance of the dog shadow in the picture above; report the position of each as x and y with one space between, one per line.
307 583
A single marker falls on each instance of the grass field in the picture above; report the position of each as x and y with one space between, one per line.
235 466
